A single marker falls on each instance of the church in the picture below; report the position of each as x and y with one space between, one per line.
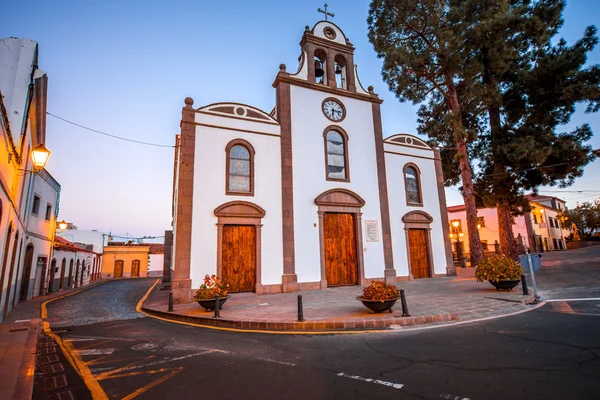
309 195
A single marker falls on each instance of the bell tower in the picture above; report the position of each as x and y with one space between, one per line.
328 56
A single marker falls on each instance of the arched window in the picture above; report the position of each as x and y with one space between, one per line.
336 154
412 185
341 77
240 168
320 66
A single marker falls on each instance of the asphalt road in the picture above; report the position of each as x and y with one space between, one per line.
552 352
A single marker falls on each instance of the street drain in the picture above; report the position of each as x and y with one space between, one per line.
144 346
61 396
53 368
42 360
56 382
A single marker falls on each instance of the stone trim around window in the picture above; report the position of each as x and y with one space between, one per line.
344 136
419 187
251 151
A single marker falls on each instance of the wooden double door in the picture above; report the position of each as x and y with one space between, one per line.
238 257
418 247
340 249
118 269
135 268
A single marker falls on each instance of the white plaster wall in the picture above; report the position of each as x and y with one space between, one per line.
394 164
48 195
320 26
156 262
309 169
209 193
95 238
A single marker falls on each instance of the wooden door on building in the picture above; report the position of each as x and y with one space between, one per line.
238 257
419 253
135 268
341 262
119 269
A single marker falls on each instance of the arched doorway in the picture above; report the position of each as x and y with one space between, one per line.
5 258
63 267
10 275
135 268
70 281
417 225
118 269
340 237
26 273
77 271
239 226
82 273
51 274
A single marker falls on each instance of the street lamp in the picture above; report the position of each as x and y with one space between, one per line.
39 156
456 232
62 225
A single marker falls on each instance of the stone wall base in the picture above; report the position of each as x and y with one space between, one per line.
182 291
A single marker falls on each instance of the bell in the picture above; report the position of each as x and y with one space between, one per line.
338 69
319 69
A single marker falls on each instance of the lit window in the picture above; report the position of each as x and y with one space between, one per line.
336 156
481 222
412 186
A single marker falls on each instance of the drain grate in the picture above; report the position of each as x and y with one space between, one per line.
43 360
19 330
52 368
56 382
61 396
48 350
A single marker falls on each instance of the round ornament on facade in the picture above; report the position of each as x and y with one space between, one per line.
333 109
239 111
329 33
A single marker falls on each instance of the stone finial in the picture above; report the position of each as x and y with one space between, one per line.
282 67
370 89
189 101
307 28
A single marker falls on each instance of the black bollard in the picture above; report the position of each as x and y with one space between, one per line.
217 307
524 284
404 305
300 309
170 301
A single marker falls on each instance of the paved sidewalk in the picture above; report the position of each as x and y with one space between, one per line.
439 300
18 339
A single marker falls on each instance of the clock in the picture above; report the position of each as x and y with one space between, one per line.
333 109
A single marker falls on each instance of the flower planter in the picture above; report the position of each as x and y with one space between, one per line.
209 304
378 305
506 284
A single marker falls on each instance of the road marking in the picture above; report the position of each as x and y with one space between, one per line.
94 352
263 304
562 307
370 380
277 362
582 299
152 384
78 340
168 360
453 397
22 320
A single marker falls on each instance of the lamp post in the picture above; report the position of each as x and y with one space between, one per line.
459 254
39 157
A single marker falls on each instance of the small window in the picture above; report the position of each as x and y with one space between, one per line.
412 186
481 222
535 220
336 154
551 222
36 205
48 212
240 168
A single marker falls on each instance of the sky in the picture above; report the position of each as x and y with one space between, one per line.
125 68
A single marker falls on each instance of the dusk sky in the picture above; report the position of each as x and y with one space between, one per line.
125 68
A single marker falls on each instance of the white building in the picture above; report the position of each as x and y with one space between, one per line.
309 195
28 200
71 266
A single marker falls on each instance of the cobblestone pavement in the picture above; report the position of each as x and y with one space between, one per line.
108 302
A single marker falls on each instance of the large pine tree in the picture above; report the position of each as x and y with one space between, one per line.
421 43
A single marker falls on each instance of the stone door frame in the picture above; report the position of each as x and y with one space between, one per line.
342 201
240 213
418 220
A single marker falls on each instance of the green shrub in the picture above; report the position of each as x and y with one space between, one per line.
498 267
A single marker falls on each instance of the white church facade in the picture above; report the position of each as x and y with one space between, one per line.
310 195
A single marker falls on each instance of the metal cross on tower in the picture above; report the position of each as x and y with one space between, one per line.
326 12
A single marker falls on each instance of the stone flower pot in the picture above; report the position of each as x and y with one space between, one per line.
506 284
209 304
377 305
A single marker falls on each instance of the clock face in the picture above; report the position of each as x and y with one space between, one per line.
334 110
